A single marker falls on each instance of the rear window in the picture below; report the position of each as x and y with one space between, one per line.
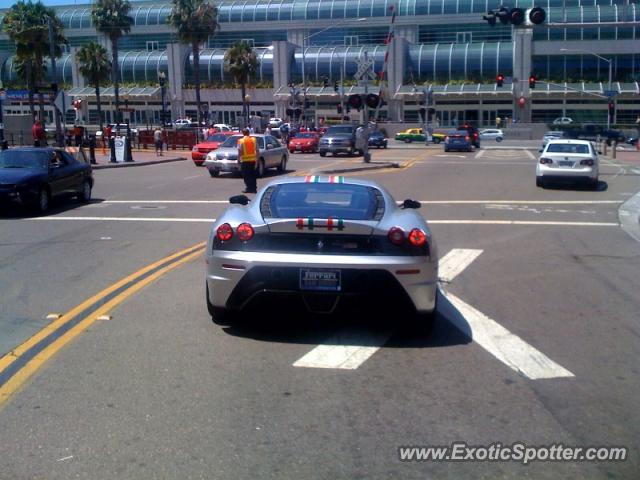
218 137
568 148
323 200
36 159
348 129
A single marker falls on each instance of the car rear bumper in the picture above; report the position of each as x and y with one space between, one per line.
586 173
238 280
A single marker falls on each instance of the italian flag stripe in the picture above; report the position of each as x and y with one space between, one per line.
300 223
340 224
330 224
310 223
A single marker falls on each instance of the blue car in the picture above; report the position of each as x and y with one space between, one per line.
458 140
377 139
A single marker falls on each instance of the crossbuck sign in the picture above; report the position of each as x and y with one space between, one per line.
365 68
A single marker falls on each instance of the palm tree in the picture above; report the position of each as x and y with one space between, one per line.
111 17
95 65
195 21
27 24
241 62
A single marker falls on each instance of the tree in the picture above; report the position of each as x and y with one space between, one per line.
27 25
242 63
195 21
111 17
95 66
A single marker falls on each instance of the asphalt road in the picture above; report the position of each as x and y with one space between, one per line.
536 340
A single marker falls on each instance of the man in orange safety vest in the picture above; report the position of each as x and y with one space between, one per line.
248 158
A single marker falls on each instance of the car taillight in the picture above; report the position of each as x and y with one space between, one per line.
587 161
245 232
224 232
446 139
467 138
396 235
417 237
475 135
544 160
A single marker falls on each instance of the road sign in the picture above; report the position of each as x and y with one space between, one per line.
62 101
611 93
365 68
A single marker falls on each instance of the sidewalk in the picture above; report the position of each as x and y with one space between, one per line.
141 158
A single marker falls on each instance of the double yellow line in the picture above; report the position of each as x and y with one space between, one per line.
23 361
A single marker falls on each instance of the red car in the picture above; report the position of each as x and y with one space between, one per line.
199 151
304 142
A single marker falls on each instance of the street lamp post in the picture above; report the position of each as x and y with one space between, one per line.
304 77
608 60
162 80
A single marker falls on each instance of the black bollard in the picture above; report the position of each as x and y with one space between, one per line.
127 150
92 150
112 149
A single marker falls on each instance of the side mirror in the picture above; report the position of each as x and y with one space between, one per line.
239 200
540 151
408 203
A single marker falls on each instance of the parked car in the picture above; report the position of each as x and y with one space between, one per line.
223 127
272 154
119 129
377 139
568 159
34 176
212 142
304 142
492 134
562 121
551 135
339 139
410 135
458 140
184 123
438 137
275 122
322 244
632 140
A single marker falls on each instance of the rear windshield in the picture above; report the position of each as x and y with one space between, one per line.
567 148
348 129
218 137
24 159
232 142
305 135
323 200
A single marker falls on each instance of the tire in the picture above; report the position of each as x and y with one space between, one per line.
446 150
593 183
385 145
407 140
539 182
43 201
283 164
85 194
214 173
435 140
323 154
498 139
351 152
261 168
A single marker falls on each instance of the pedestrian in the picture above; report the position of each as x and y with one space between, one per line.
498 122
157 139
78 132
39 134
248 158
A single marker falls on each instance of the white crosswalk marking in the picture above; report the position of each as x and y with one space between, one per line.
454 262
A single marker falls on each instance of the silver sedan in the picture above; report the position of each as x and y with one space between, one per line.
323 245
272 154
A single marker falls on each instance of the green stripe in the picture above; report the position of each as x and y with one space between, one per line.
310 219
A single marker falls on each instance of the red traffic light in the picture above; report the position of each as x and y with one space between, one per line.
537 15
499 79
532 81
516 16
355 101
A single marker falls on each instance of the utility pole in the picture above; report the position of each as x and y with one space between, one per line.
54 84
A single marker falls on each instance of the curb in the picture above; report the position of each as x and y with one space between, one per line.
136 164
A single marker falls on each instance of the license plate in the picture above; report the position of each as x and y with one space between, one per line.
565 163
320 279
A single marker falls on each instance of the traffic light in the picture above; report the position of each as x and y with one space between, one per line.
335 86
355 101
516 16
372 100
77 103
339 108
490 17
503 15
532 81
612 110
499 80
537 15
325 82
423 113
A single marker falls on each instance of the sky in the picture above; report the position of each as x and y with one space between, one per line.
8 3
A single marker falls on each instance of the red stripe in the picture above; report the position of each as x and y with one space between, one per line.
330 224
307 179
300 223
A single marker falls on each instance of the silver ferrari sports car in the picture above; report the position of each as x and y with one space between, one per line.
322 244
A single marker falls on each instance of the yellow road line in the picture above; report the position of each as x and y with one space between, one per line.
12 356
31 367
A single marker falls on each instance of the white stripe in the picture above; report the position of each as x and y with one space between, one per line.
129 219
440 222
500 342
523 222
454 262
480 153
531 155
347 350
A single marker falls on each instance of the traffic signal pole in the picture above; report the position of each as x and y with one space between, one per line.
54 80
